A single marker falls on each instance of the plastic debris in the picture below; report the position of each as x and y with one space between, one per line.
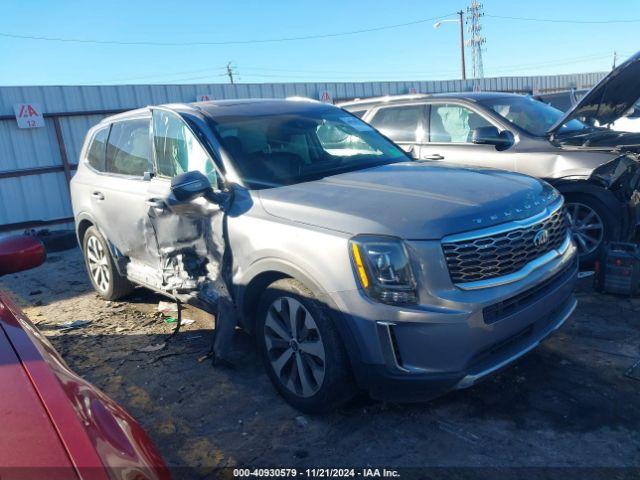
185 321
585 274
73 324
152 348
167 307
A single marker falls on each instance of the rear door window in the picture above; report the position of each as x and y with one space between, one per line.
401 124
98 149
450 123
128 147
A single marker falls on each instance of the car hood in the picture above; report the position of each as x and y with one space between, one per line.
411 200
610 99
25 422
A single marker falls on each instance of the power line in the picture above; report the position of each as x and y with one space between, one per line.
229 42
339 74
555 20
171 74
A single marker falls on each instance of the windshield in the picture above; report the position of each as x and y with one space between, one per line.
531 115
283 149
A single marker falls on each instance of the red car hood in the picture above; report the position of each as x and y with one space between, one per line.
52 418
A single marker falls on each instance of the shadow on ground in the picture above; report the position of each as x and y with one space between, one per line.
566 404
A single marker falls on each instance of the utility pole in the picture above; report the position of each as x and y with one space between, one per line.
230 72
474 12
460 22
464 71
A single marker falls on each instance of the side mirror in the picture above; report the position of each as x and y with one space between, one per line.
491 136
187 186
20 252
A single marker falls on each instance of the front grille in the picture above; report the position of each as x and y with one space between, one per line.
503 253
498 311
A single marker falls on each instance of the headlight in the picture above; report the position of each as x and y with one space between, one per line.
383 269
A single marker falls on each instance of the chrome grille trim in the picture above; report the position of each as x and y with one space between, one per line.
507 252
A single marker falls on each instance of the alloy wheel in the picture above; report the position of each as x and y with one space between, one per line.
98 263
294 346
587 228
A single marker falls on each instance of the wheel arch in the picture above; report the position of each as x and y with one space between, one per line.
606 197
262 275
83 222
585 187
270 270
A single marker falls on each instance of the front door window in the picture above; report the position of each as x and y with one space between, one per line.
450 123
177 149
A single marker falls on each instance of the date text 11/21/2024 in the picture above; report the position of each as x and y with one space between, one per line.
316 473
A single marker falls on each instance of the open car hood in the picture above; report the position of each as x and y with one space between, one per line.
609 99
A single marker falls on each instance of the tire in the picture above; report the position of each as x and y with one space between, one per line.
316 349
104 275
592 209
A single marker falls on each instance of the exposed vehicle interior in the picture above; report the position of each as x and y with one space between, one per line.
273 151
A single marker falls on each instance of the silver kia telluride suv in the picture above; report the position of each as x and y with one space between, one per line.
355 266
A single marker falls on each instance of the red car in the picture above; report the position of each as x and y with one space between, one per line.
54 424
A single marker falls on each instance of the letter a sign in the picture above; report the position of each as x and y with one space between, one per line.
28 115
325 97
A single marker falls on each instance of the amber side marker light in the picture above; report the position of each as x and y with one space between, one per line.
358 261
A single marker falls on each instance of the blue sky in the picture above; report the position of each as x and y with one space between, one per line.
414 52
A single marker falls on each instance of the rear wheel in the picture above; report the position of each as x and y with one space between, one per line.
301 348
105 278
591 225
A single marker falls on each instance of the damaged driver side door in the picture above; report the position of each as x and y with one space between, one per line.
188 232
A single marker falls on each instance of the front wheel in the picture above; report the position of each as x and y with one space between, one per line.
591 224
104 275
301 348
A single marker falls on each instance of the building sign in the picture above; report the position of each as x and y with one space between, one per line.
28 115
204 97
326 97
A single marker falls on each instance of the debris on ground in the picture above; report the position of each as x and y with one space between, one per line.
167 307
73 325
586 274
183 322
302 421
204 357
153 348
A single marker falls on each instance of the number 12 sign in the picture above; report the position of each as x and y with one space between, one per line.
28 115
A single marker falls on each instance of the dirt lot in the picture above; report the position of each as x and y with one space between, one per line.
573 402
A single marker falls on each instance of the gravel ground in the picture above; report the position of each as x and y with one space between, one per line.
573 402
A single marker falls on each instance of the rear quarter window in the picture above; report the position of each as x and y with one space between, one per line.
129 147
97 149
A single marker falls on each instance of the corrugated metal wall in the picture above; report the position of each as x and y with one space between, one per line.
45 197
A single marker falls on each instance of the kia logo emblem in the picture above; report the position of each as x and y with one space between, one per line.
541 238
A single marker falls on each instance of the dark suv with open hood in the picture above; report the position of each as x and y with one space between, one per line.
595 167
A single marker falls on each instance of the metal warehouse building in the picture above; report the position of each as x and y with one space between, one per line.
36 164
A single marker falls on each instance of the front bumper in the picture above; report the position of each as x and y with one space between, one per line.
416 354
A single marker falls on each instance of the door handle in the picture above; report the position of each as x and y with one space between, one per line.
155 203
435 156
98 195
